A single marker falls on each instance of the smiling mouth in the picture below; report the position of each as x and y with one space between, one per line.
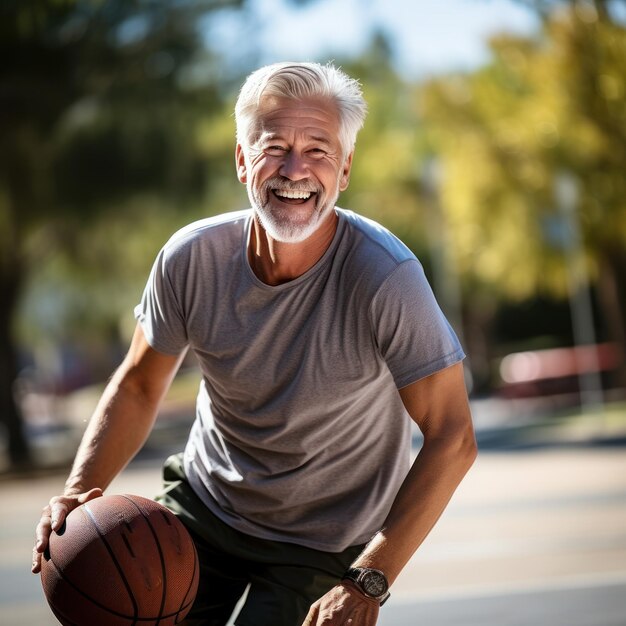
292 196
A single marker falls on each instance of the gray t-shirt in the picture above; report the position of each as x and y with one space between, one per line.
300 434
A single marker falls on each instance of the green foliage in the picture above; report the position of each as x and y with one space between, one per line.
384 181
545 105
99 138
99 155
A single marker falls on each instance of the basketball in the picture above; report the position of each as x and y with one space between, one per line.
120 560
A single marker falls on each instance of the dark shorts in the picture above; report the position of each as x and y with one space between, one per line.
282 579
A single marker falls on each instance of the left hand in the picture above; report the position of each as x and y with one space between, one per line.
343 605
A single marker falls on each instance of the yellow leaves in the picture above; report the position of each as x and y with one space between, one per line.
586 12
611 86
384 171
457 90
493 232
216 135
504 132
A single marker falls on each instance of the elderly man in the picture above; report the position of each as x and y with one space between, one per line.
318 340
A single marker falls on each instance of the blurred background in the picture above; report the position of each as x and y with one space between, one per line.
495 147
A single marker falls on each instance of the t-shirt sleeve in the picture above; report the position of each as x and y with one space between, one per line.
160 312
411 331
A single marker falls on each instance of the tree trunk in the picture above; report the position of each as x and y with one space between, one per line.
10 414
611 288
478 316
603 11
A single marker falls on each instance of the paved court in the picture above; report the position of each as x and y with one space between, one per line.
596 603
534 537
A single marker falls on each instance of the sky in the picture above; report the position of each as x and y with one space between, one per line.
428 36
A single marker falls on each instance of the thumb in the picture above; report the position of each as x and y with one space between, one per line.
96 492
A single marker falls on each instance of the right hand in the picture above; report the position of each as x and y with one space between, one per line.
52 517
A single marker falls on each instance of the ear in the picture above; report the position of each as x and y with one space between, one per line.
345 173
240 163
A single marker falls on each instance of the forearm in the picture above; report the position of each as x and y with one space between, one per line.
424 494
118 428
116 431
434 476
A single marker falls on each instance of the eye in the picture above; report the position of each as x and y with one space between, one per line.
317 153
275 150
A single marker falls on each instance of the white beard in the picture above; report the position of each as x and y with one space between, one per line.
282 224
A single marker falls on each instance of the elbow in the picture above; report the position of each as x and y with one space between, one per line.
466 447
457 448
469 448
465 440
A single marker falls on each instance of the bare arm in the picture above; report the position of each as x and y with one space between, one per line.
118 428
439 406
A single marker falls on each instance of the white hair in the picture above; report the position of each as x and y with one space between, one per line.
298 81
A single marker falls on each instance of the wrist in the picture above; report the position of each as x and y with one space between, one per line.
371 583
74 489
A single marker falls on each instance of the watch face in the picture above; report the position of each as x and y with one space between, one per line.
374 583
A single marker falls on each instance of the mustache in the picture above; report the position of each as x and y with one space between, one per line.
279 182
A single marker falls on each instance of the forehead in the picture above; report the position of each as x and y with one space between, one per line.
285 116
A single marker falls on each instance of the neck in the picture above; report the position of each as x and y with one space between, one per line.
275 262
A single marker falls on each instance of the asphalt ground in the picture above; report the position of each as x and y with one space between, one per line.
535 537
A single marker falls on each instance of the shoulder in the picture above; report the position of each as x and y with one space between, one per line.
220 230
371 250
375 242
373 261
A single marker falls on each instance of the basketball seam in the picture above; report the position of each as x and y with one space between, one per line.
57 612
115 562
161 555
55 609
104 607
136 619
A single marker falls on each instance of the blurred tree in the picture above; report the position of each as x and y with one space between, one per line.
391 180
389 147
543 106
606 9
99 101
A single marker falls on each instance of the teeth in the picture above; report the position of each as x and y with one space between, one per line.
299 195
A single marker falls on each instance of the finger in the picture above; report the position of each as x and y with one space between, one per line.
62 506
96 492
52 518
36 566
59 509
42 532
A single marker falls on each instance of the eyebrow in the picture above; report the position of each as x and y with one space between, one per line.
271 136
323 140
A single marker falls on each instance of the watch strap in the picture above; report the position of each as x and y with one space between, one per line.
355 575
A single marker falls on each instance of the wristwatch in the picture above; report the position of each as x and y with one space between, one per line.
372 582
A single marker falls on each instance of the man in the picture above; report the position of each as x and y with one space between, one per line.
318 339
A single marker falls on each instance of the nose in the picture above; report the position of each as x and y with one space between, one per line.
294 167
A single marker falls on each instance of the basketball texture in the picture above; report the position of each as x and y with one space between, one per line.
120 560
